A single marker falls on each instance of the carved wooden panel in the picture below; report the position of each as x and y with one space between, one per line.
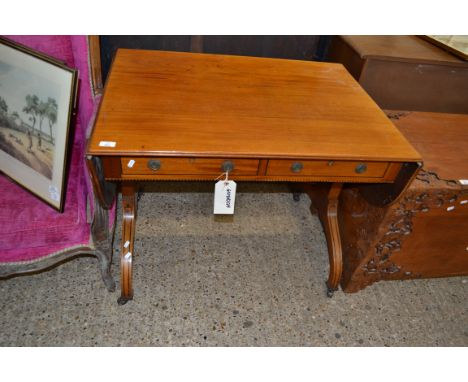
407 239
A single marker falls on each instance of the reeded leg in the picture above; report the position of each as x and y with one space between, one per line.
332 232
325 199
129 204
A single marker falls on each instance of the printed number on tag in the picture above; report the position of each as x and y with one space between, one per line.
225 196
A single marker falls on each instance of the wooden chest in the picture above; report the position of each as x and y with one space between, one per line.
404 72
425 233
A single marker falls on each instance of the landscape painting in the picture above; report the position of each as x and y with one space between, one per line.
28 120
36 99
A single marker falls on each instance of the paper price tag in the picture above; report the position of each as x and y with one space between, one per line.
53 193
225 196
107 144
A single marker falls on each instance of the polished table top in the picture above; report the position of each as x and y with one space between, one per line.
185 116
159 103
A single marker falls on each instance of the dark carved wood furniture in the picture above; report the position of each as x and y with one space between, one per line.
425 233
405 72
182 116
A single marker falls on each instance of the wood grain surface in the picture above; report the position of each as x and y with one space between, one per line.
411 48
160 103
181 166
404 72
182 116
440 138
324 168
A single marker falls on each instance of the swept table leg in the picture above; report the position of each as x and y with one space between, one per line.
129 204
332 231
325 198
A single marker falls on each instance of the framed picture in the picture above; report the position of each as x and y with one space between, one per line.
37 95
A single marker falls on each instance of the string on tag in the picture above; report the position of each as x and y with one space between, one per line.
226 179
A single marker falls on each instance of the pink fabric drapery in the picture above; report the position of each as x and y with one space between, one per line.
30 228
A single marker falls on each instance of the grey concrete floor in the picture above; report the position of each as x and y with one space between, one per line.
254 279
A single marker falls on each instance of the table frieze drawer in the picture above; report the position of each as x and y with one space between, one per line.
187 166
326 168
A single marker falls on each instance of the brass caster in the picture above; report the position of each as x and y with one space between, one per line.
331 291
123 300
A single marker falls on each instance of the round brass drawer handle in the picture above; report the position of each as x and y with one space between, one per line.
227 166
361 168
297 167
154 164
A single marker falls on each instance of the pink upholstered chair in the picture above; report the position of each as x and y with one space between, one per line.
33 235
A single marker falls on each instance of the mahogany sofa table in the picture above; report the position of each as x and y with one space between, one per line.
185 116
